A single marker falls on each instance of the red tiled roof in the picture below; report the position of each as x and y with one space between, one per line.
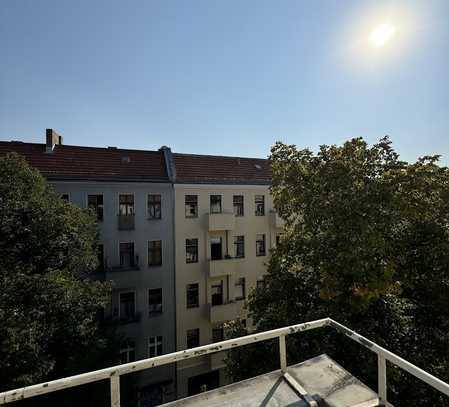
84 163
93 163
205 169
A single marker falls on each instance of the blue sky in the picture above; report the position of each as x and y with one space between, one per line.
225 77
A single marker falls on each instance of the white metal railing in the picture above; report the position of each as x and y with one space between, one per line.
114 373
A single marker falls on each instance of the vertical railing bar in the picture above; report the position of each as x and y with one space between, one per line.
382 379
115 390
283 353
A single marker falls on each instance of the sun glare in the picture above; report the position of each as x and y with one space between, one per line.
382 34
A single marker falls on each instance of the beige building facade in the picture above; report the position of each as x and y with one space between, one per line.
223 235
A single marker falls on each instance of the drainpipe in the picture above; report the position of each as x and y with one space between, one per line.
227 245
170 168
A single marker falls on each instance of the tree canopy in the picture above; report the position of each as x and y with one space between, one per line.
366 242
49 306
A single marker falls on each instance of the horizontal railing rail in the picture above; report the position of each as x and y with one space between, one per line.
114 373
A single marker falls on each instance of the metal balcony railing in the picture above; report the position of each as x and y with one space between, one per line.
126 222
114 373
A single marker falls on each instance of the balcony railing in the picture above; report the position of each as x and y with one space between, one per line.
224 312
125 222
276 221
221 221
113 373
128 267
123 320
222 267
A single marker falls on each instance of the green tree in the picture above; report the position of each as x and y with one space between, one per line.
366 242
49 305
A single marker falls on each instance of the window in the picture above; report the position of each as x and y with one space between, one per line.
155 253
127 308
218 333
215 204
216 251
278 240
239 246
238 205
65 197
191 206
217 293
193 295
240 289
154 301
95 202
260 284
193 338
191 250
260 245
260 205
154 206
154 346
126 204
127 351
100 254
127 254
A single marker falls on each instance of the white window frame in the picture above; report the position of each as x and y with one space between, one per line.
148 214
151 314
87 201
156 343
118 201
127 350
119 301
162 253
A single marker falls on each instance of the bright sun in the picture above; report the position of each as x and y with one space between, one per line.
382 34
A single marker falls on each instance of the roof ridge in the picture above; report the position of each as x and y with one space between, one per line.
220 156
108 148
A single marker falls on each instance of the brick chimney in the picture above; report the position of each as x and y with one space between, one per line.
52 138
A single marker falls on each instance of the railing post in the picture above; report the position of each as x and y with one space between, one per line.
382 379
115 390
283 353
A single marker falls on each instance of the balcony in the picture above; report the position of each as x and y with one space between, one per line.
221 221
317 381
216 361
224 267
125 222
114 269
225 312
129 266
276 221
122 320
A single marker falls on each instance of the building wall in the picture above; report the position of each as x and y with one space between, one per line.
251 267
145 277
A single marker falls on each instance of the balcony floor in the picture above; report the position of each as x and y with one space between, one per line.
323 379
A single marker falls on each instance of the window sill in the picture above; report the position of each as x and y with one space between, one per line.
155 314
192 306
154 218
154 265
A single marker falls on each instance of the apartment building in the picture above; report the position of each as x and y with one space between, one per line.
225 225
184 239
132 196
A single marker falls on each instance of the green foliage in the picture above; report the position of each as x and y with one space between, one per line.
367 243
49 306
